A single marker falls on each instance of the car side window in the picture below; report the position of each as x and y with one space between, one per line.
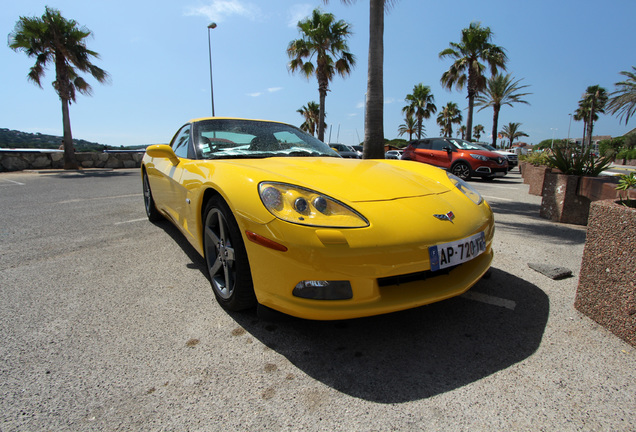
424 144
181 142
440 144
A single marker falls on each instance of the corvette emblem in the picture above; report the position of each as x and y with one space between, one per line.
448 216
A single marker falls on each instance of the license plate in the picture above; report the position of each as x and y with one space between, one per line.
456 252
499 174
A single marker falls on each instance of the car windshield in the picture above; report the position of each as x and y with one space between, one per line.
487 147
465 145
235 138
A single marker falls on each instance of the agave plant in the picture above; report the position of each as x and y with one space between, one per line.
626 183
576 162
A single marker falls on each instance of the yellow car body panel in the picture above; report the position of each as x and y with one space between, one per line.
397 198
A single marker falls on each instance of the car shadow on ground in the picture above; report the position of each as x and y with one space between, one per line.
408 355
418 353
543 228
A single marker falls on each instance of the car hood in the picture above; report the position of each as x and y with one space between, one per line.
486 153
354 180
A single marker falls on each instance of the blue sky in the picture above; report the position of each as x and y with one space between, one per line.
157 55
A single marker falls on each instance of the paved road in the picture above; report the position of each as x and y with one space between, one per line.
108 323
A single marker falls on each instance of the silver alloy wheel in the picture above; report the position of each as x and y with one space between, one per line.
219 254
461 170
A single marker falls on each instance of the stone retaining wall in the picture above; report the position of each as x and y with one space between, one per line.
18 161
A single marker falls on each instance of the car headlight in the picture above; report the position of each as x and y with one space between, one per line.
467 189
479 157
307 207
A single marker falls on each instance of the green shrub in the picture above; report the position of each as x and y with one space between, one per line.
535 158
626 154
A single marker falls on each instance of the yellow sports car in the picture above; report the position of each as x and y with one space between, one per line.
284 222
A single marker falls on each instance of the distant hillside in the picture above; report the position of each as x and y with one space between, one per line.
17 139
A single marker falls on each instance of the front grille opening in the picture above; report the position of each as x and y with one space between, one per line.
413 277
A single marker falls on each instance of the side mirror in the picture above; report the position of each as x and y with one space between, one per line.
162 151
448 149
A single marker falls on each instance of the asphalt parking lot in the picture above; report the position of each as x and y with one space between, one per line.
108 323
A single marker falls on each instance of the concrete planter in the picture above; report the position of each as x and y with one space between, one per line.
561 202
607 283
534 176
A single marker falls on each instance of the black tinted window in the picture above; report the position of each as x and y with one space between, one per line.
181 141
439 144
423 144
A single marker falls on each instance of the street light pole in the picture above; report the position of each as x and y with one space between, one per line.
210 27
553 130
569 126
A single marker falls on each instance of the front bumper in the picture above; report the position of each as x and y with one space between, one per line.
386 263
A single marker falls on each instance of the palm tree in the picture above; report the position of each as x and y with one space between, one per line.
461 131
500 90
477 131
448 116
374 118
594 100
512 132
623 99
408 127
310 113
582 113
421 105
52 39
325 39
467 70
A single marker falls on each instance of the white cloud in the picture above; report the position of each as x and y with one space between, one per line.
360 105
274 89
298 12
219 10
255 94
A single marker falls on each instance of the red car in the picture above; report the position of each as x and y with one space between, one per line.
457 156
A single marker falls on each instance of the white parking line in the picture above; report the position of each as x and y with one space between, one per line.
488 299
497 198
131 221
12 181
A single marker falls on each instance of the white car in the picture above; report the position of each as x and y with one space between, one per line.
513 159
393 154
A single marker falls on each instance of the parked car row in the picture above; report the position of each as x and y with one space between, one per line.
346 151
462 158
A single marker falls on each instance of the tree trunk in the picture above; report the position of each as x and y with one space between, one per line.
590 128
70 161
323 86
584 131
495 125
469 116
374 119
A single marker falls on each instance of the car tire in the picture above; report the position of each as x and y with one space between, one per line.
226 258
461 170
149 203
